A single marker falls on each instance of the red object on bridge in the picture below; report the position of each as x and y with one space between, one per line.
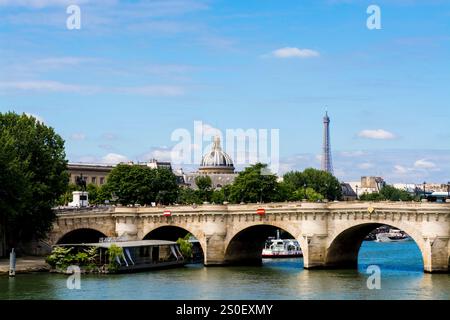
261 211
167 213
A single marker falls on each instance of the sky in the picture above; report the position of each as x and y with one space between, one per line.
136 71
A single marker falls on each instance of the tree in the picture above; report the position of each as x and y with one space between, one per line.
320 181
389 193
185 246
67 196
253 186
204 185
136 184
33 176
188 196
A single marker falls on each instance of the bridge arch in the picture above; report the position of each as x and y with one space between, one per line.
173 233
344 245
244 246
81 235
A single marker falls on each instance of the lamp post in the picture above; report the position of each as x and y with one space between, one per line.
424 190
357 192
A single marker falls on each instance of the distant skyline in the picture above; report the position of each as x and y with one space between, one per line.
138 70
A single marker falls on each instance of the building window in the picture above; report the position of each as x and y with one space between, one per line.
102 180
94 180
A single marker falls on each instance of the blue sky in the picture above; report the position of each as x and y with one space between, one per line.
137 70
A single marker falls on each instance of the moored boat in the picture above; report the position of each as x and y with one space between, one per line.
131 256
281 248
392 236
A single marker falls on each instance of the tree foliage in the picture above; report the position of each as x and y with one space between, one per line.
204 185
388 193
185 246
188 196
136 184
33 176
254 185
321 182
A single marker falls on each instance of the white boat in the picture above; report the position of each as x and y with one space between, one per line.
281 248
392 236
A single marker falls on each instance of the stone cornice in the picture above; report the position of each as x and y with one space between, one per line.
332 208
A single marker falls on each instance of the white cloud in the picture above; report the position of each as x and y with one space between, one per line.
366 166
424 164
58 62
109 136
289 52
398 169
38 85
152 90
114 158
55 86
379 134
78 136
352 154
40 3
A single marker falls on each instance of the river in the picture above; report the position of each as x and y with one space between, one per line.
400 264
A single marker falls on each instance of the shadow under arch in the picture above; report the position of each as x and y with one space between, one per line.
173 233
245 248
83 235
343 251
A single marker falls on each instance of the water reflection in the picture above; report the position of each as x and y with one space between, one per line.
401 278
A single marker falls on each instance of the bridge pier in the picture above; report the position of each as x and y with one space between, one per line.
436 255
314 234
436 235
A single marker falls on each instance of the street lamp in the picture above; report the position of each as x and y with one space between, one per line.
424 190
357 192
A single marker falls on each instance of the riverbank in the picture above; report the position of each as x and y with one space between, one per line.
25 265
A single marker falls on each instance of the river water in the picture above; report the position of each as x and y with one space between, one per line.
400 264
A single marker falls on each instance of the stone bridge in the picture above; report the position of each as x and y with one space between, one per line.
330 234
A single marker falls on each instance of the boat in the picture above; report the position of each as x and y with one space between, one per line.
135 255
393 235
281 248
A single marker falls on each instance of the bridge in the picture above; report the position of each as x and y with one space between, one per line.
330 234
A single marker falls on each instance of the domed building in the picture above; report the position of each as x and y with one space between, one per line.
216 161
216 164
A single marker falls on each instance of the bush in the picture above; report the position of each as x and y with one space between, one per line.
61 258
113 252
185 246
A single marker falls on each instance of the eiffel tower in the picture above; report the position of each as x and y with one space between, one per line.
327 163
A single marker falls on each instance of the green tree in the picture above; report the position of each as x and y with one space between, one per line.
185 246
204 185
33 176
67 196
389 193
320 181
254 185
136 184
188 196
